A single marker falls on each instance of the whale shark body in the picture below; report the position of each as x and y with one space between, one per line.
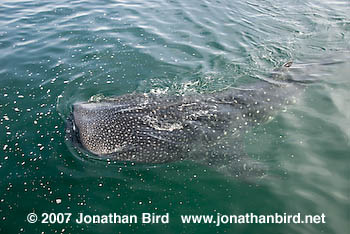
151 129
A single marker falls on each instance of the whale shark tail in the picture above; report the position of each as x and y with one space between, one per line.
282 75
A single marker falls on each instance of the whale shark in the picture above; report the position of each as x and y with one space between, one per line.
160 128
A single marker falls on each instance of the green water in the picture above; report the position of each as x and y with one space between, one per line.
53 53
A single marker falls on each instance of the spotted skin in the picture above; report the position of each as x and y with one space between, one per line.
151 128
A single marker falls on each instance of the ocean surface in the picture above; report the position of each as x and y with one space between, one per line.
54 53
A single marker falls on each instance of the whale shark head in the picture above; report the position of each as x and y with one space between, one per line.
126 129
